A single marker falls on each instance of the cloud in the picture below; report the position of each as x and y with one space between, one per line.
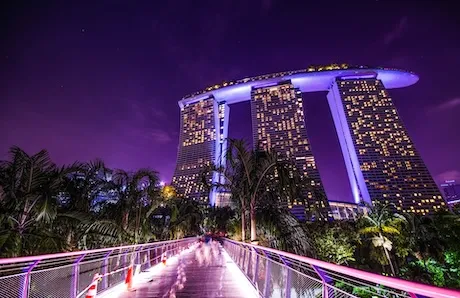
450 104
448 175
140 114
161 136
397 32
137 111
143 124
158 113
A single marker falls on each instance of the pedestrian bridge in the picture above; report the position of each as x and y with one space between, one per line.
188 268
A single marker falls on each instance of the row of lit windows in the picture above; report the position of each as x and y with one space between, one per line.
375 126
286 134
198 123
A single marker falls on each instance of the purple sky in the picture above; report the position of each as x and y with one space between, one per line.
100 79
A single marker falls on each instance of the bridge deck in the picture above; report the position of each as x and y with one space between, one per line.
205 270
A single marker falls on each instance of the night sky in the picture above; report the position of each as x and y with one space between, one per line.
102 78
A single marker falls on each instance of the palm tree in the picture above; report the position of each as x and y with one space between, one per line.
424 238
279 229
218 218
84 185
138 193
231 178
185 219
30 186
244 175
379 223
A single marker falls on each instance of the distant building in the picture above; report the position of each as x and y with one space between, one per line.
104 197
200 141
224 199
346 210
451 190
278 124
382 161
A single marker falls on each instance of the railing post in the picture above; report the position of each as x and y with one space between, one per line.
125 261
267 275
326 281
105 270
239 255
75 277
288 277
288 282
249 261
148 257
244 261
26 280
256 269
137 259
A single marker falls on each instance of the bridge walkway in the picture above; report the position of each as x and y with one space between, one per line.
195 269
204 270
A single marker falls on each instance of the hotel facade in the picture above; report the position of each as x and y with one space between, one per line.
381 159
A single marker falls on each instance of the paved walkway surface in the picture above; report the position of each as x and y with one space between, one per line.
206 270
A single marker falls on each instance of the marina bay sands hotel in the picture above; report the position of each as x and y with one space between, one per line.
380 157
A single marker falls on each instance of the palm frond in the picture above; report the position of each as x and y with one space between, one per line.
47 210
400 217
77 216
369 230
105 228
390 230
370 220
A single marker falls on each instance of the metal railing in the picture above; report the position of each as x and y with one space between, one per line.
69 274
276 273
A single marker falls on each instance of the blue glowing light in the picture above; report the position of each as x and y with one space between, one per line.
307 82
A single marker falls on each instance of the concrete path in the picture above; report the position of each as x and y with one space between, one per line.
205 270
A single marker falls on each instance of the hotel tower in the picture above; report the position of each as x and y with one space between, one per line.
381 159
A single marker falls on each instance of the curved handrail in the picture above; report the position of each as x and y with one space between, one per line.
395 283
4 261
18 273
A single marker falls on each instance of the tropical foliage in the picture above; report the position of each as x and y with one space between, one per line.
335 242
416 247
258 182
45 208
379 225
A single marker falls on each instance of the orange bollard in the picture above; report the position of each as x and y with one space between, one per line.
129 278
92 291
